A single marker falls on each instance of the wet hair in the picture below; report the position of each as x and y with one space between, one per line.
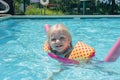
61 28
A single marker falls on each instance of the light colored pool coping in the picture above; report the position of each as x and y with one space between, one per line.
57 16
67 16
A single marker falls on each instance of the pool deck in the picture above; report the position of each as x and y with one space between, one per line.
4 15
58 16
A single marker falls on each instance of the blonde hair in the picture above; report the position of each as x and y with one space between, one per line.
61 28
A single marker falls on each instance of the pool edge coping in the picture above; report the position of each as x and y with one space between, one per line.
66 16
58 16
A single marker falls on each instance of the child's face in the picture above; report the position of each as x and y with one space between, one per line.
59 41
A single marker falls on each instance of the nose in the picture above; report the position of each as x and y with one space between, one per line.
57 41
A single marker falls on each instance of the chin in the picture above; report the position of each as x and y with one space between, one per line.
61 51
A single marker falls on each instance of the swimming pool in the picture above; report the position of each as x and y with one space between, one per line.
22 56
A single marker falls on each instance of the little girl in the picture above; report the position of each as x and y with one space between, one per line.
59 40
60 44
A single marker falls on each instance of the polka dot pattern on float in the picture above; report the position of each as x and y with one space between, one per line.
82 51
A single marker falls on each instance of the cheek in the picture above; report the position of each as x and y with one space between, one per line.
68 41
52 43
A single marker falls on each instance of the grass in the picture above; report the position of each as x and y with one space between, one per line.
31 10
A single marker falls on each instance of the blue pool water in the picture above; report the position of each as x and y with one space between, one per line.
22 56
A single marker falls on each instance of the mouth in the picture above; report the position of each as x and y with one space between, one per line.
59 46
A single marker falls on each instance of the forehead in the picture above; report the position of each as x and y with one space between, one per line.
58 33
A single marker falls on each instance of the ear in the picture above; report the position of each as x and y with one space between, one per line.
69 42
69 39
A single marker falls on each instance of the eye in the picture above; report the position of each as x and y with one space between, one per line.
62 38
53 39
